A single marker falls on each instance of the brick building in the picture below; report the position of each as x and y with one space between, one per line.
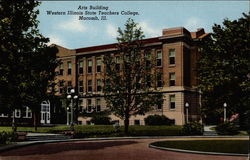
176 52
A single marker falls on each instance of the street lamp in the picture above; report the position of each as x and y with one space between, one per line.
225 111
72 96
186 105
67 116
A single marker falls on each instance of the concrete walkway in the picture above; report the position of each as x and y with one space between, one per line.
208 131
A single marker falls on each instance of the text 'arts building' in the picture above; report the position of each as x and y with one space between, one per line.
176 53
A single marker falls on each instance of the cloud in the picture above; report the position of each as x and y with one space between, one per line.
193 23
112 30
148 30
73 25
55 40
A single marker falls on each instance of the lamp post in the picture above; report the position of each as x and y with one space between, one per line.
225 111
72 96
186 105
67 116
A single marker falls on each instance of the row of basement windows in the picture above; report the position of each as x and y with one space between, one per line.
159 81
26 113
117 60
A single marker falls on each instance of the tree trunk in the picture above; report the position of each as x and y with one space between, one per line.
35 121
126 125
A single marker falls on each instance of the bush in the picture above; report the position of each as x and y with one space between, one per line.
193 128
100 120
227 128
155 130
158 120
6 137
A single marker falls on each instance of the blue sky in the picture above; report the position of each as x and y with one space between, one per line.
68 31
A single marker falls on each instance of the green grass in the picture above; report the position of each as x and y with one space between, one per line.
221 146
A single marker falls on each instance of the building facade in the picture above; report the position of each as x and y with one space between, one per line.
176 53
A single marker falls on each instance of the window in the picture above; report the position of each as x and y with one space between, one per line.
80 86
28 113
172 56
159 80
89 105
61 69
17 113
98 65
172 79
98 85
148 60
69 68
159 106
137 122
172 101
69 86
89 85
98 105
158 58
117 63
61 84
148 81
89 66
81 67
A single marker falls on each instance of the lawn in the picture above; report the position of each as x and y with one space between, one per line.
220 146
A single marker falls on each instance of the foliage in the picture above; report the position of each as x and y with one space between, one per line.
193 128
27 64
224 68
227 128
128 78
100 120
158 120
219 146
6 137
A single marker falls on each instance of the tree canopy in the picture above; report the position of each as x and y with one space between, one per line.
129 80
27 63
224 68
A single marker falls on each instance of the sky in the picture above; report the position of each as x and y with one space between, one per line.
153 16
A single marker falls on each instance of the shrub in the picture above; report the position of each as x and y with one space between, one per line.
158 120
155 130
100 120
227 128
6 137
192 128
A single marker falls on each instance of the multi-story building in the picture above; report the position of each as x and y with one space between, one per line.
176 53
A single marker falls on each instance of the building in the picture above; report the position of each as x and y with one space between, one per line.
176 52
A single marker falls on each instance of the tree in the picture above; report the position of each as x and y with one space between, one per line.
27 64
129 78
224 68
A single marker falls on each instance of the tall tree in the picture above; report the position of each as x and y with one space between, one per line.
27 64
224 68
129 78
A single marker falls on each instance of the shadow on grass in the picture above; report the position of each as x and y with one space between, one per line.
52 148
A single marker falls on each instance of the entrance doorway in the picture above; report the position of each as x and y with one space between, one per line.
45 112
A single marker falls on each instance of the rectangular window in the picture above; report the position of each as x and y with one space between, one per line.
61 85
90 66
117 63
89 105
17 113
28 113
98 85
98 105
98 65
158 58
69 68
61 69
137 122
159 80
148 81
172 101
81 67
172 79
89 85
148 60
172 56
80 86
69 87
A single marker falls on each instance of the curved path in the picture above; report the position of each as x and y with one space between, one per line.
124 149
